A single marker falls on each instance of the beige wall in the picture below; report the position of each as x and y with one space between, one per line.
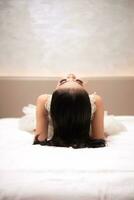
117 93
54 37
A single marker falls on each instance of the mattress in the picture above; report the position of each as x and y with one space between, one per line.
34 172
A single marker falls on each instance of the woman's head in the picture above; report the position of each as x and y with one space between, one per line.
70 81
71 113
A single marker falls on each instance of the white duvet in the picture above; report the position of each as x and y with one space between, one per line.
29 172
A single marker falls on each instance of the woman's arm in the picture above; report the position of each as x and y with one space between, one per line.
41 118
98 120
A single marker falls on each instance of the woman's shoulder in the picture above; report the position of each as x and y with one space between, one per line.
44 100
95 97
98 99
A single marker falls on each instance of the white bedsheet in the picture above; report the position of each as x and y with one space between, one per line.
29 172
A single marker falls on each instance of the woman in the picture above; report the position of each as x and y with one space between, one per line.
76 118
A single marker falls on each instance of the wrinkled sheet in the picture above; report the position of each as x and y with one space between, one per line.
29 172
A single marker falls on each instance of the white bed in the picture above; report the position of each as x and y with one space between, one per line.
29 172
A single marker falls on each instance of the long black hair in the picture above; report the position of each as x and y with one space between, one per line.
70 112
